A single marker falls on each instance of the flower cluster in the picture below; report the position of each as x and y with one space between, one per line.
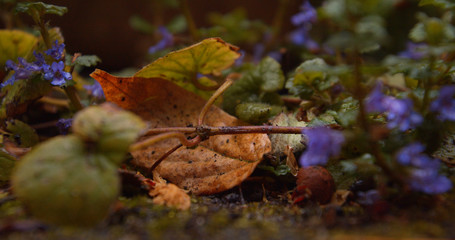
322 143
167 40
400 113
424 175
53 72
304 21
444 105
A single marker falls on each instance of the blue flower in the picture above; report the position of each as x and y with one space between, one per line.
56 51
415 51
22 70
424 175
304 20
307 14
400 113
56 74
429 181
444 105
64 125
95 90
322 143
167 40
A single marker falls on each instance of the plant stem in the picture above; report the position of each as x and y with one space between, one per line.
184 6
277 24
229 81
73 97
157 162
152 140
44 32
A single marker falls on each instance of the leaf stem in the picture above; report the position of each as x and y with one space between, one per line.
229 81
184 6
157 162
152 140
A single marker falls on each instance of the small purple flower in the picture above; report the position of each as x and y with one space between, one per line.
56 51
401 115
429 181
239 61
56 74
322 143
22 70
64 125
415 51
424 175
399 111
307 14
166 41
95 90
444 105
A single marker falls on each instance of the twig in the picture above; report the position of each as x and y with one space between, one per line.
157 162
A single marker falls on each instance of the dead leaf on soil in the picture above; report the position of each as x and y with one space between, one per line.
217 164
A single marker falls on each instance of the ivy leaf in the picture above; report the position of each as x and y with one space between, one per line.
208 57
280 142
14 44
87 60
444 4
39 9
253 112
259 85
22 134
216 165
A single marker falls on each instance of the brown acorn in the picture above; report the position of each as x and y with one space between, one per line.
314 183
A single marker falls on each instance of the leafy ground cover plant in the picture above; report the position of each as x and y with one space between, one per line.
380 121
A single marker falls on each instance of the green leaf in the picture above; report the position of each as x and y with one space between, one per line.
21 133
14 44
280 170
110 129
444 4
253 112
208 57
22 92
258 85
87 60
269 70
7 163
39 9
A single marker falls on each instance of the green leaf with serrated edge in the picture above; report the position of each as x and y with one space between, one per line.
7 163
21 133
14 44
87 60
257 85
210 56
438 3
269 70
36 9
253 112
20 93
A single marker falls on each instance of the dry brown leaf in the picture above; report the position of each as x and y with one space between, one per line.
216 165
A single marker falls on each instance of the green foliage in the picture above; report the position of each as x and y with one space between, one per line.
72 180
87 60
259 85
310 77
432 30
21 133
7 163
109 129
14 44
62 182
38 9
140 24
17 96
444 4
233 26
